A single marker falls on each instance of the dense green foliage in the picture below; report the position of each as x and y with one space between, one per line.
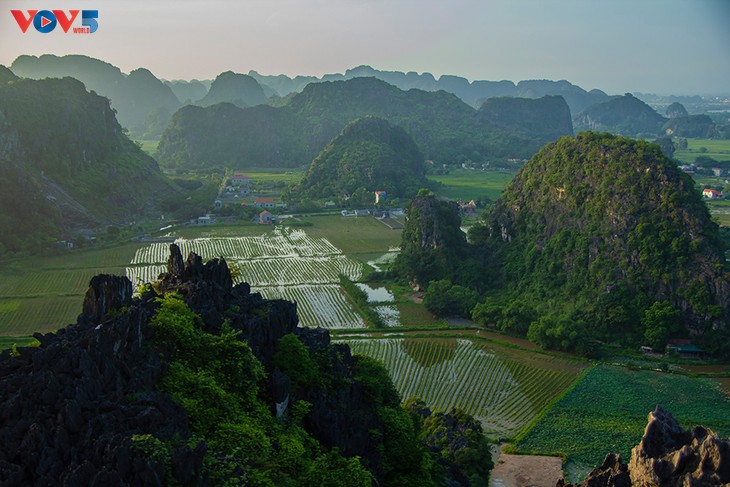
65 163
369 155
583 255
433 247
597 238
443 298
626 115
585 429
446 129
222 386
219 382
593 231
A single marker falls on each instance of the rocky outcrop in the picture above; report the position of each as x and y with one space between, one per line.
71 408
611 473
671 456
667 456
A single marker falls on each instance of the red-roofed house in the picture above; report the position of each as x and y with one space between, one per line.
266 218
264 203
711 194
380 196
239 179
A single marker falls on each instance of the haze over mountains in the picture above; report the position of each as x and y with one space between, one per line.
139 94
145 104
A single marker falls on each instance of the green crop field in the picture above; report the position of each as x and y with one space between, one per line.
45 293
463 184
717 149
354 235
503 388
607 412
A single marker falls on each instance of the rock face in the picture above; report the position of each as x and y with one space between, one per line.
668 456
70 407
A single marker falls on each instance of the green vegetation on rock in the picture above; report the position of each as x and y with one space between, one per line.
371 155
446 129
66 163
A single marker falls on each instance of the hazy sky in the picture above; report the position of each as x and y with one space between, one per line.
659 46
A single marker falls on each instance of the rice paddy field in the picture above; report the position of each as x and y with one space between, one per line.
607 412
717 149
43 294
504 388
464 184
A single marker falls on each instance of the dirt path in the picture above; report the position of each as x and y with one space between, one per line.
526 471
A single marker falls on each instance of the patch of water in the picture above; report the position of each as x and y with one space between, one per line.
376 295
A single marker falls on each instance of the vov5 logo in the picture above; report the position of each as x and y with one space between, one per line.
45 21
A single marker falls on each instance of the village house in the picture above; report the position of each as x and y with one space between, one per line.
266 218
264 203
711 194
717 171
380 196
240 180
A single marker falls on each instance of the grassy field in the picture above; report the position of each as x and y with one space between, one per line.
717 149
583 428
462 184
360 237
45 293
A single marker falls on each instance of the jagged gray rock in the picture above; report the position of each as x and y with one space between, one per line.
667 456
671 456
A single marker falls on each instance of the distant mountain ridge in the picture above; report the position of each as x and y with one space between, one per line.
108 80
473 93
626 115
134 96
444 127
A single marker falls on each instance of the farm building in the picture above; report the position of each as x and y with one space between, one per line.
239 179
264 202
685 349
380 196
711 194
266 218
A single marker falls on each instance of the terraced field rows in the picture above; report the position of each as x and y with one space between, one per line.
286 264
469 376
323 306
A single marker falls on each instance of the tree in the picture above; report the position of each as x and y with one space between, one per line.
659 322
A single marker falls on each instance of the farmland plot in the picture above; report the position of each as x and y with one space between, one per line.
323 306
469 376
287 264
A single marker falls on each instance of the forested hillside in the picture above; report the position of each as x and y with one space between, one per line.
66 163
445 128
625 115
369 155
598 238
